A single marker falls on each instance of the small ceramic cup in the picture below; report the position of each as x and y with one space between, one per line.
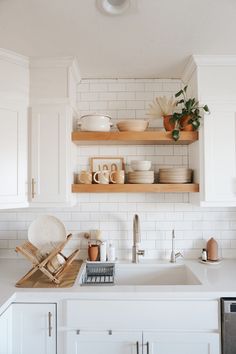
101 177
117 177
85 177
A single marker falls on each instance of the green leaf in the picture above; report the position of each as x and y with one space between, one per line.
206 109
175 134
181 101
196 124
185 88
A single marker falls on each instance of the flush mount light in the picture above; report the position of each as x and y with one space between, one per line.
113 7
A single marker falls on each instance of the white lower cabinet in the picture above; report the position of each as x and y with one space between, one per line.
180 343
104 342
6 332
137 342
142 327
34 328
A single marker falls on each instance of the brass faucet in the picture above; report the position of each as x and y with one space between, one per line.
136 252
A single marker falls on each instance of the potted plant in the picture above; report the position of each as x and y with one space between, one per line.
188 119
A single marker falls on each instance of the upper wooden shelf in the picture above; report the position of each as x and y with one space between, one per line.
149 137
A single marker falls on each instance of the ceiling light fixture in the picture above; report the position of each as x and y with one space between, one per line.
113 7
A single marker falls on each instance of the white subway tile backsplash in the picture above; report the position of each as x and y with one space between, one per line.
135 104
98 105
98 87
153 87
117 105
112 213
135 87
116 87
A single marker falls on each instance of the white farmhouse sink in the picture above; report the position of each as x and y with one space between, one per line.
157 274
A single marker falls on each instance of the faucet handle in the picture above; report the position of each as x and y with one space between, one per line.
178 254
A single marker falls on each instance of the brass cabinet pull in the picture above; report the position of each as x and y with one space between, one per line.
32 188
49 324
137 347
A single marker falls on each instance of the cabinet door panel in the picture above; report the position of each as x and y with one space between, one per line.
181 343
13 156
48 154
220 156
103 343
31 330
6 332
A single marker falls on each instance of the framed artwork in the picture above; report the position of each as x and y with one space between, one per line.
109 163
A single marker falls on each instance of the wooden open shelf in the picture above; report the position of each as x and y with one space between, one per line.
135 188
149 137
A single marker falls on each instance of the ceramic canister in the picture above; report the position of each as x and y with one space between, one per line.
212 250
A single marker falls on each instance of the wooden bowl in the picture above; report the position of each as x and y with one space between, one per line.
134 125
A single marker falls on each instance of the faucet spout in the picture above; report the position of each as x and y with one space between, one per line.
136 252
174 255
136 230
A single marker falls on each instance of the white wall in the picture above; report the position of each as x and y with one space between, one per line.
113 213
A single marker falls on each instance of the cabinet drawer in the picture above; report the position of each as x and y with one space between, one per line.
177 314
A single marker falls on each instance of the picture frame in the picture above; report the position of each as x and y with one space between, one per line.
106 163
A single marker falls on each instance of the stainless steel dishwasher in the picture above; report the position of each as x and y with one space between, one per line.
228 325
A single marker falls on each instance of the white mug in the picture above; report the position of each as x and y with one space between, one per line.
117 177
101 177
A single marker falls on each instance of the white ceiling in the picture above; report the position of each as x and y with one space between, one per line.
154 39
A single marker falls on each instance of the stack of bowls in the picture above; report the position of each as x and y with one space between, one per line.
175 175
141 173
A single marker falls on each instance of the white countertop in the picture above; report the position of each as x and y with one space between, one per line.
217 281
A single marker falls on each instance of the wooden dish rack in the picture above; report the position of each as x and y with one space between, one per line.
30 252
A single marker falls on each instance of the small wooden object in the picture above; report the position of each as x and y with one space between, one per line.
212 250
31 253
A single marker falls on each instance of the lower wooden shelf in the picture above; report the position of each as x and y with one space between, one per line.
135 188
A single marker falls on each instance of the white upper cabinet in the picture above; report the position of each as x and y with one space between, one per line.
14 97
212 79
53 102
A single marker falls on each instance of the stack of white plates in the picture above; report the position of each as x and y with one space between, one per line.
175 175
141 177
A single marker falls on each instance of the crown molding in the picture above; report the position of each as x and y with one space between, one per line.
189 69
196 61
75 70
214 60
57 62
14 58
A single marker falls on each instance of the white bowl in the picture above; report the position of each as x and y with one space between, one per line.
141 165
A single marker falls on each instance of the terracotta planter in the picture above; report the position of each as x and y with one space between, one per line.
93 252
168 125
185 125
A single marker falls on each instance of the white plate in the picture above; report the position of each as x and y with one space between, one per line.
46 231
